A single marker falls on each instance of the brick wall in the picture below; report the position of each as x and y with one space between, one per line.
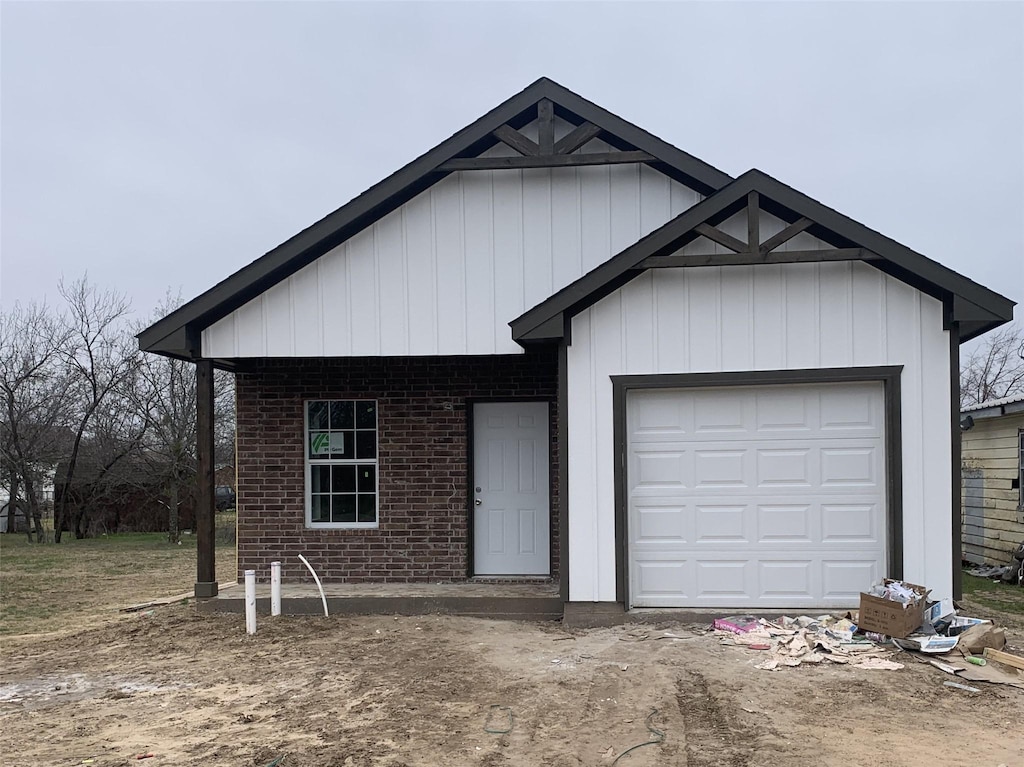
423 405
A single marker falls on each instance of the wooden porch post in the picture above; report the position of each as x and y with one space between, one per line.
206 571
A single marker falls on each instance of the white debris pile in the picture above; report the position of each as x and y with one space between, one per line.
795 641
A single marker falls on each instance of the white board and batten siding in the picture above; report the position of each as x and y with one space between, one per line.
446 272
737 318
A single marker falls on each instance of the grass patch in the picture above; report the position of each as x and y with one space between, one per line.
45 587
1003 597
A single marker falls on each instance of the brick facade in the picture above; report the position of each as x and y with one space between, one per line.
423 406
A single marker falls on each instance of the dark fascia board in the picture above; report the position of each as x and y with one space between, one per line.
975 306
403 185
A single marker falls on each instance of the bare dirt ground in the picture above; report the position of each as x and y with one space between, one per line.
194 689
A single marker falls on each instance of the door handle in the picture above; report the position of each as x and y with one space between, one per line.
478 502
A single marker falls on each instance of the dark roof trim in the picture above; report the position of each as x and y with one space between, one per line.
167 335
977 308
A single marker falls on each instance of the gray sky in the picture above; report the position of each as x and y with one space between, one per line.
165 145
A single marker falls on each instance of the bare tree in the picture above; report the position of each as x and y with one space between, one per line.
995 368
37 394
167 394
101 358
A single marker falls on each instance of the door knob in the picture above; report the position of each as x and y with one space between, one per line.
478 502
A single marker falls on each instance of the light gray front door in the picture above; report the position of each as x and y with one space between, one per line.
510 488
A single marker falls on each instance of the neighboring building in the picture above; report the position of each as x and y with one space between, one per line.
556 346
993 479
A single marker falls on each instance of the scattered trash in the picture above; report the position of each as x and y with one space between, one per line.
1009 659
989 571
977 638
495 708
895 617
276 762
944 667
803 639
145 756
928 644
959 686
893 608
736 624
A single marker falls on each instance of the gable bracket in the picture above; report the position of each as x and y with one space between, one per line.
752 258
546 152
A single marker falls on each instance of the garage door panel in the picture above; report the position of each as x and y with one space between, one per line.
718 412
771 497
720 467
722 578
661 580
663 416
843 579
789 412
662 466
661 523
722 523
787 523
784 467
850 522
785 579
852 409
847 466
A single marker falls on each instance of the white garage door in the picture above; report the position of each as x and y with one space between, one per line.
760 496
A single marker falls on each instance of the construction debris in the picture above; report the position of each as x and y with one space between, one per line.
895 617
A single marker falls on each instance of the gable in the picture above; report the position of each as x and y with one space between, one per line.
756 221
178 334
448 270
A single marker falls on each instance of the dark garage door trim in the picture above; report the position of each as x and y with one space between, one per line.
888 376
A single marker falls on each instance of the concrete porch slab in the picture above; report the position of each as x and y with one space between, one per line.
510 600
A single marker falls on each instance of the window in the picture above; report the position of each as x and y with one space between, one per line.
341 463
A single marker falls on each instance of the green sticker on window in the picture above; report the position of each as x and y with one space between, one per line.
327 443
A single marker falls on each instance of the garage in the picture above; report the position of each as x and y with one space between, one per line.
755 496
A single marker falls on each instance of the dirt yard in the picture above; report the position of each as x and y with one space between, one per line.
194 689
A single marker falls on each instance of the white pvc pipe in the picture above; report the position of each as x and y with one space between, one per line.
323 598
275 588
250 601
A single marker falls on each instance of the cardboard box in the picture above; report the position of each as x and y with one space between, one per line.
895 619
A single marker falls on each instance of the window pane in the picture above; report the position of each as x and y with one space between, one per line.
366 415
344 508
321 508
319 444
366 444
341 415
344 479
320 476
342 445
317 415
367 508
367 479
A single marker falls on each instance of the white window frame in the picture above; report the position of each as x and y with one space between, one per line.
310 462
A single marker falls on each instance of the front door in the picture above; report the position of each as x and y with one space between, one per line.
510 488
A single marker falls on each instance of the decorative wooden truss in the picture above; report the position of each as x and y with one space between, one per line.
546 153
754 251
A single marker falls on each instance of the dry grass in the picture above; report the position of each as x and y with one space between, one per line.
49 587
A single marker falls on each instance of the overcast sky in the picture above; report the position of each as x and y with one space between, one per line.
165 145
